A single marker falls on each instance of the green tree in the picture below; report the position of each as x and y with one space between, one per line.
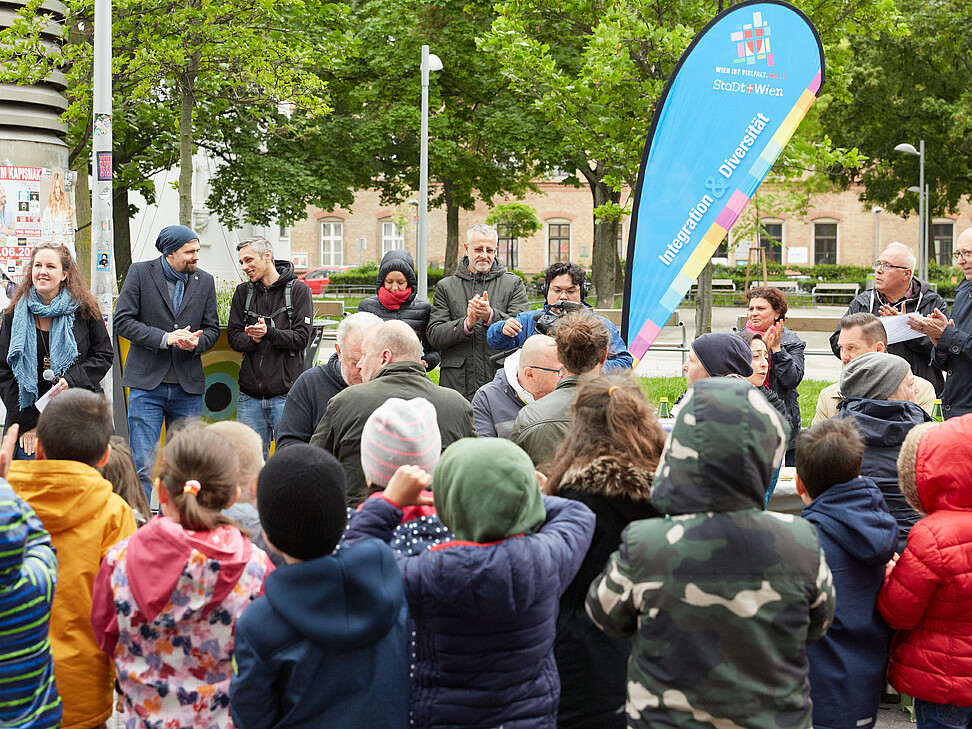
518 220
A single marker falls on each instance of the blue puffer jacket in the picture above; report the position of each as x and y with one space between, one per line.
884 425
618 356
326 645
858 536
485 618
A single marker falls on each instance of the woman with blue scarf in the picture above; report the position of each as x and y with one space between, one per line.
52 335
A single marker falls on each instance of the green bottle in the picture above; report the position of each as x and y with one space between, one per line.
664 411
937 411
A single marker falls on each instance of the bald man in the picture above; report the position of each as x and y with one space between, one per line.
527 375
390 366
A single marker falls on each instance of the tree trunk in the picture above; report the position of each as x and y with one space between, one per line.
185 157
123 234
703 301
604 260
82 208
452 229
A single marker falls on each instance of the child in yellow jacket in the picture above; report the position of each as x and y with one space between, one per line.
85 517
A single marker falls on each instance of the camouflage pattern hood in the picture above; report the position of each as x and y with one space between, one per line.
722 597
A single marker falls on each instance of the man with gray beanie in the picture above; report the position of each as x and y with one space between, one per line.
332 620
880 395
167 310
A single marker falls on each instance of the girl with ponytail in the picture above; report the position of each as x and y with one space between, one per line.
607 461
166 600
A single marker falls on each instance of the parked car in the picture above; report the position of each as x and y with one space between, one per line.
318 278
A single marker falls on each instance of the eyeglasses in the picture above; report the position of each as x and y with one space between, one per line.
882 266
545 369
964 255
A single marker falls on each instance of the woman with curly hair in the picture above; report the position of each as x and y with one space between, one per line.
607 461
52 335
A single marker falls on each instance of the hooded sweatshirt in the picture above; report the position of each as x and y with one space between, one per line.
77 506
165 607
271 366
327 645
858 536
720 596
484 606
926 596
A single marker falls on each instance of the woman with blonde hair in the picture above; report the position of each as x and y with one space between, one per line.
607 461
56 228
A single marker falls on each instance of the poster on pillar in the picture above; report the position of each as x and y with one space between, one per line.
36 206
734 100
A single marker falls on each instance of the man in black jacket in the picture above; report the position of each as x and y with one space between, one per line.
314 389
270 322
898 292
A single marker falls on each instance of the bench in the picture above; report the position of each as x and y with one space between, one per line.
327 309
719 286
833 290
787 287
614 316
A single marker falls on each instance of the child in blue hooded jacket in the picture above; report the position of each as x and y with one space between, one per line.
858 536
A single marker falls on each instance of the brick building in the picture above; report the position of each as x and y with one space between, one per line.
836 230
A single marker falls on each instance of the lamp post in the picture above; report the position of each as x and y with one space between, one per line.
877 212
430 62
906 148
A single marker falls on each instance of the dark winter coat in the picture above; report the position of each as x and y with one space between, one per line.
414 312
95 356
485 618
785 375
541 426
917 351
954 355
465 365
339 431
495 407
593 665
271 367
307 401
326 645
858 536
884 425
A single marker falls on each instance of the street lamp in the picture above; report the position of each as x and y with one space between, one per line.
430 62
877 212
906 148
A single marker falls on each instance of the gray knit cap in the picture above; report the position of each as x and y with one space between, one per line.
873 376
399 433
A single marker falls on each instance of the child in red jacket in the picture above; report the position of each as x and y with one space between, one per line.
928 591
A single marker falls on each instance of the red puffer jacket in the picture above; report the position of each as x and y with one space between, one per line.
928 594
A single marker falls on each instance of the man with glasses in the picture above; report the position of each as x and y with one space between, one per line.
465 304
897 292
526 376
952 337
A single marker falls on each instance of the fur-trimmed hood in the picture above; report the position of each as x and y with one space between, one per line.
606 476
932 472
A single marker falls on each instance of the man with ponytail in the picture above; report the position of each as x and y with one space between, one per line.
85 517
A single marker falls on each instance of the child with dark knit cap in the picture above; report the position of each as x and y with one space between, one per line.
327 643
484 606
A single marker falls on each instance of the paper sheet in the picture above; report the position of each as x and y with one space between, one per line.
898 329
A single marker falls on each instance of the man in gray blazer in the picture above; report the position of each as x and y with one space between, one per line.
167 309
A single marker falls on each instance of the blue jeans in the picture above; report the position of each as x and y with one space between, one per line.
942 716
147 410
261 415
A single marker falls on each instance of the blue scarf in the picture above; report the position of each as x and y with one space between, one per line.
22 354
179 279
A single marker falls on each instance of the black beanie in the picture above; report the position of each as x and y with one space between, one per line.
301 497
724 354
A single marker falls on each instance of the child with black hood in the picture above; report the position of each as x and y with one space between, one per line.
396 298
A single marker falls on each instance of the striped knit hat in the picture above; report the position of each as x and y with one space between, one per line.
399 433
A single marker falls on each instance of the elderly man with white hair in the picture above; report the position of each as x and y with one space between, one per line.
315 387
390 366
897 292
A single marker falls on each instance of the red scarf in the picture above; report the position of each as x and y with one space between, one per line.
393 299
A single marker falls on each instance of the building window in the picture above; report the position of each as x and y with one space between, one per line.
558 242
392 237
507 249
332 243
824 242
622 242
771 240
722 250
284 232
299 260
941 251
